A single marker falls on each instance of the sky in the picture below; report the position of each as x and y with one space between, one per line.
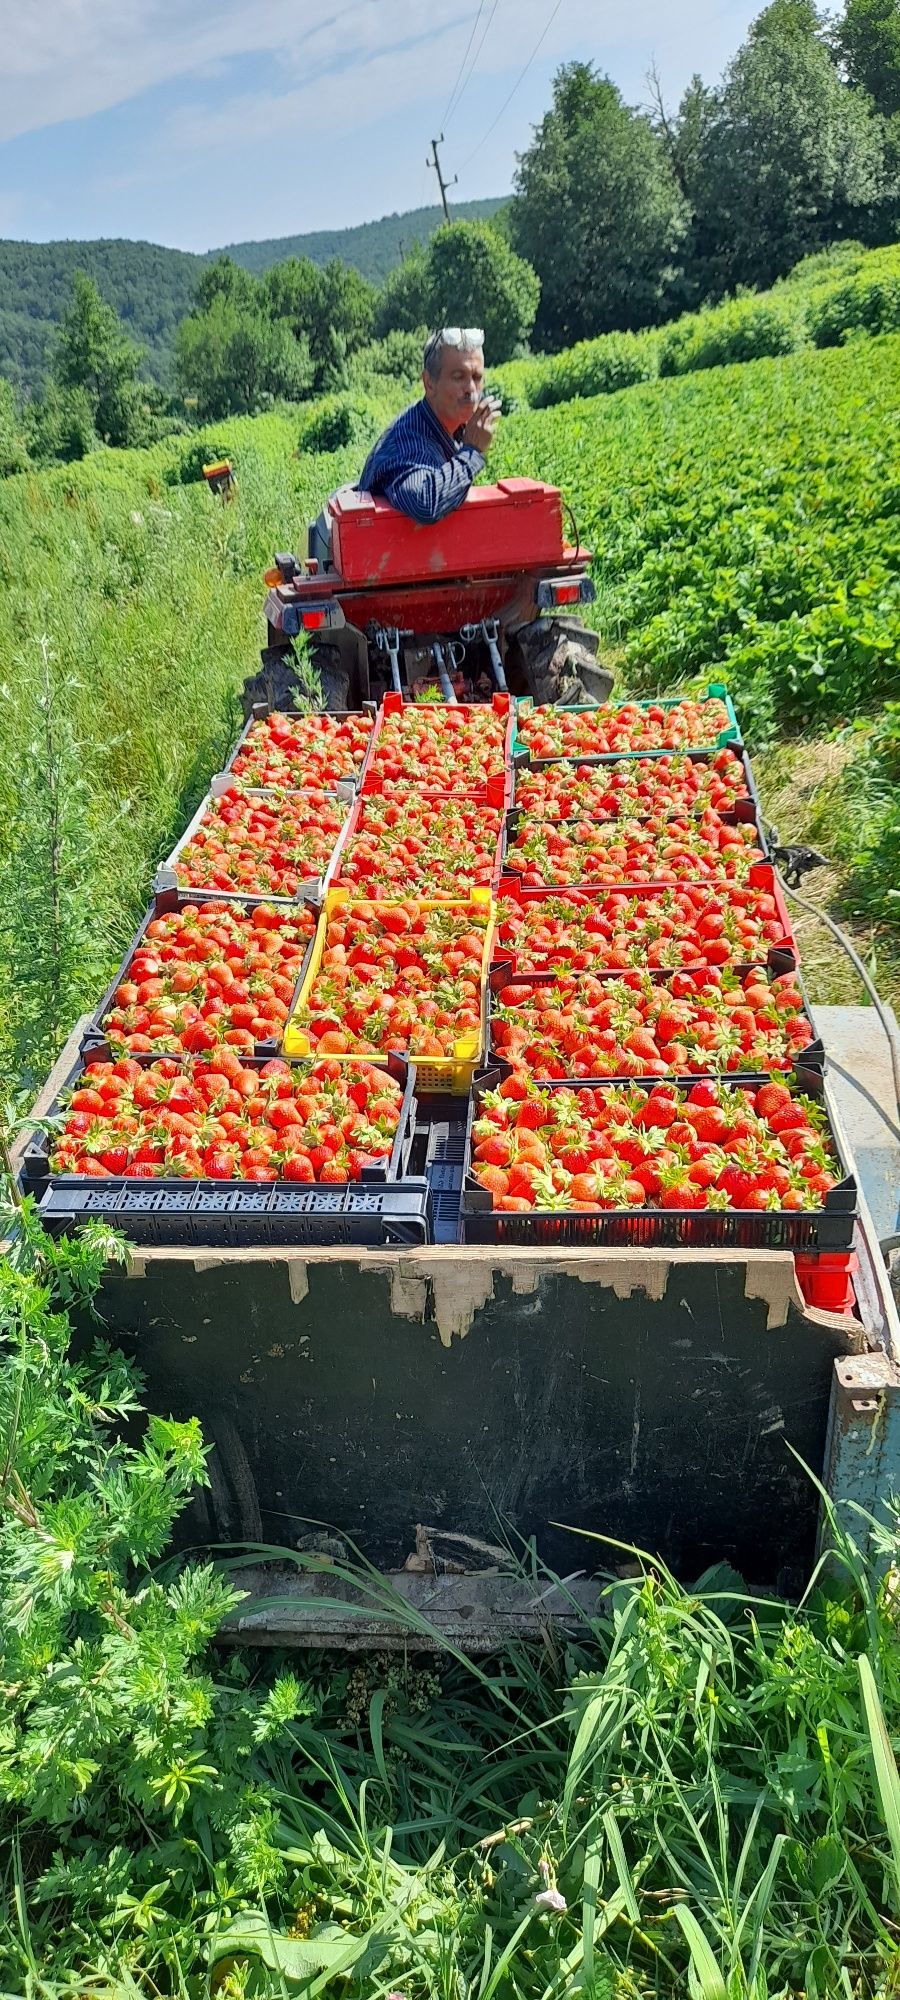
197 123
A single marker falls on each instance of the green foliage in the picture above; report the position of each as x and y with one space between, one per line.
390 368
789 157
148 593
475 279
594 368
92 356
597 212
130 1761
13 448
468 276
233 360
868 40
329 311
866 302
152 289
336 421
743 523
59 426
404 302
739 330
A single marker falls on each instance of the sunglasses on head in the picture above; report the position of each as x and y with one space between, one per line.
456 336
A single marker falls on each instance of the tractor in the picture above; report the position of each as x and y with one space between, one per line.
483 600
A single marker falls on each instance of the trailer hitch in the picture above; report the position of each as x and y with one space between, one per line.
489 631
387 640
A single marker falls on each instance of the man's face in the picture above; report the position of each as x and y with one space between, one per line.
457 391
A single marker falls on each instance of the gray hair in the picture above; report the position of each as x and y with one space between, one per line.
466 339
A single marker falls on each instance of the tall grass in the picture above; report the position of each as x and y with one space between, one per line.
132 603
692 1792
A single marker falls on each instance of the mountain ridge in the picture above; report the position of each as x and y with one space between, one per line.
152 286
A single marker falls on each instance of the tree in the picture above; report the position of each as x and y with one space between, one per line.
476 279
789 160
91 353
597 211
469 276
331 309
224 279
60 426
232 361
403 302
868 42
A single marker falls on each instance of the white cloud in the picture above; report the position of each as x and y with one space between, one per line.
66 59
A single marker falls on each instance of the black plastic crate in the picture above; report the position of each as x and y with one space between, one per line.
518 816
823 1229
35 1175
165 901
444 1169
503 979
229 1214
747 811
778 958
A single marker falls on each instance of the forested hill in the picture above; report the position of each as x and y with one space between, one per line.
373 247
152 287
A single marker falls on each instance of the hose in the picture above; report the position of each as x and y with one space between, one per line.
858 966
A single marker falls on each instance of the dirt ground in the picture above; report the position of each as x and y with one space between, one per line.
798 786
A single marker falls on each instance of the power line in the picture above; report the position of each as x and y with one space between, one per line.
460 93
519 80
464 61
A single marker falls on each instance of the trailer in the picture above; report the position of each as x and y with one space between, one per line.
441 1404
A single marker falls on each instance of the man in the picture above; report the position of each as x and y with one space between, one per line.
426 461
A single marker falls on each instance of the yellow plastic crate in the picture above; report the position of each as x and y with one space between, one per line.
444 1075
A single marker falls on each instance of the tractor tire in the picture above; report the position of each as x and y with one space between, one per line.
275 684
334 679
559 660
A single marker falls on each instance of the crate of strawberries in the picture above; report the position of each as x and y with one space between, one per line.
272 844
662 785
628 728
407 975
576 853
556 1025
306 753
220 1148
705 1163
200 972
660 930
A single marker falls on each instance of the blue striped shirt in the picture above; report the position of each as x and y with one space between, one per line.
419 467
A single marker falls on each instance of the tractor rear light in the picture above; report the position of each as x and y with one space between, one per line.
564 590
297 617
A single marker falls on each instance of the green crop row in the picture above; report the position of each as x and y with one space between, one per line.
744 523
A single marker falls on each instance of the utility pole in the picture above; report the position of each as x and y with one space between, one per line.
442 184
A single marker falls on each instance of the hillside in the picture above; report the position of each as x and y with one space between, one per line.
372 247
152 287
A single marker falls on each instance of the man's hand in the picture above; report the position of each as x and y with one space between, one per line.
482 424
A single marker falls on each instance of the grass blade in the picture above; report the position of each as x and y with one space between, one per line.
708 1980
886 1775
